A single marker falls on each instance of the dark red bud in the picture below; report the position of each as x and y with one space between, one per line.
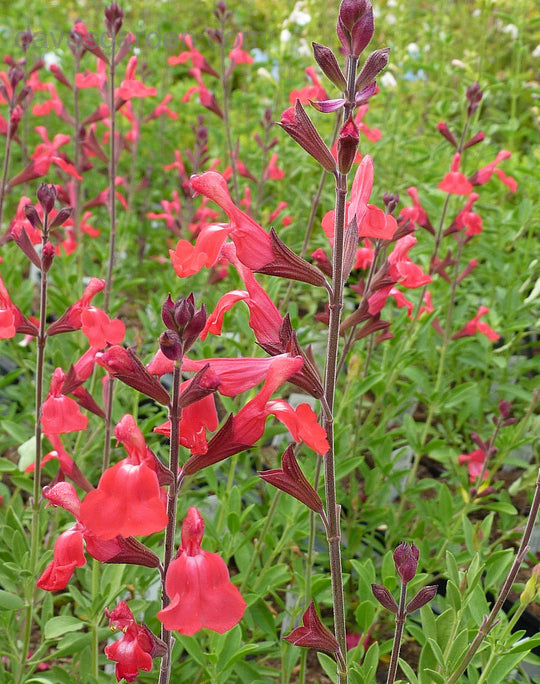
313 634
26 38
167 314
478 138
390 200
46 196
290 479
171 345
114 17
32 215
326 59
374 64
406 561
47 256
347 145
425 595
194 328
384 597
61 217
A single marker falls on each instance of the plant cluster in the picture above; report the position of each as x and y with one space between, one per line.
397 391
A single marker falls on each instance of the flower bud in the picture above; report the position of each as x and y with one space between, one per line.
384 597
355 25
424 596
326 59
26 38
47 256
474 96
46 196
374 64
184 309
15 75
114 16
167 314
390 201
290 479
347 145
171 345
406 561
61 217
529 593
194 328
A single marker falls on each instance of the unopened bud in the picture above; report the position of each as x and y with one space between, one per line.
61 217
406 561
26 38
529 593
384 597
47 256
171 345
326 59
347 145
114 16
425 595
46 195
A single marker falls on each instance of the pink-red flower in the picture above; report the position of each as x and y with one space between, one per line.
68 550
475 463
128 499
138 645
198 586
61 413
476 325
455 182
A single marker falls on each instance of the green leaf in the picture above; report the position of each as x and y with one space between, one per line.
9 601
453 595
328 665
7 466
502 507
457 650
409 672
58 626
452 568
437 651
19 432
27 453
445 623
365 614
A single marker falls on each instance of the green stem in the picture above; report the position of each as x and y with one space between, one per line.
489 621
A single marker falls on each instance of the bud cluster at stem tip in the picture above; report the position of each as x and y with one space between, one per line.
184 325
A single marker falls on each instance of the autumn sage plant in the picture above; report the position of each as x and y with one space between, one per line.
204 399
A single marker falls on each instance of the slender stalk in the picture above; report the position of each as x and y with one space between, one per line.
398 635
112 241
112 177
175 413
35 537
226 121
489 621
5 169
335 306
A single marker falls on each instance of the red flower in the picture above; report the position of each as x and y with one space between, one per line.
127 500
68 550
253 244
484 174
11 319
402 269
138 645
60 413
198 585
476 325
237 55
68 555
455 182
475 463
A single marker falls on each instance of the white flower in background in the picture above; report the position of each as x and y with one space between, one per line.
51 58
459 64
299 15
413 50
511 30
390 19
387 80
303 48
536 51
476 13
391 3
285 36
